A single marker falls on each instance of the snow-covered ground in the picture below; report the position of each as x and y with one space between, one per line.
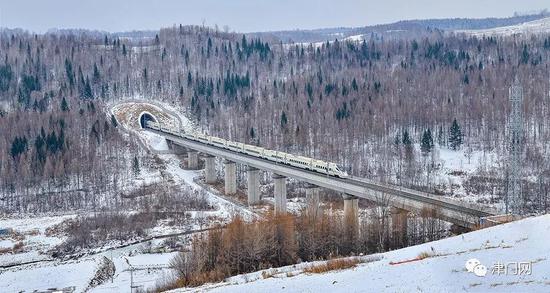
355 38
224 209
32 232
150 268
457 166
539 26
444 270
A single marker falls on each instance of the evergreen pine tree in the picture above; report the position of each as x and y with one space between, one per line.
64 105
284 120
189 79
18 146
406 139
96 77
525 55
455 136
407 143
88 89
135 166
427 142
39 145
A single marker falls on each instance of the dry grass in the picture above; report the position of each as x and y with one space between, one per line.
332 265
424 255
269 273
17 247
195 280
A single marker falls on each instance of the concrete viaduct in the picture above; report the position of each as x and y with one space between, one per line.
402 200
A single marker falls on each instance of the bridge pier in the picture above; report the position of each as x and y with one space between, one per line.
174 148
351 212
210 169
280 194
312 201
253 182
230 177
399 219
192 159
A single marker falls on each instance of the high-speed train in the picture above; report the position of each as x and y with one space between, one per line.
323 167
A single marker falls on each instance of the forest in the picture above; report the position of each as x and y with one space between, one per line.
363 104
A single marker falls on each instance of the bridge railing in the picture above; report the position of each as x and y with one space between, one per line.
470 205
179 132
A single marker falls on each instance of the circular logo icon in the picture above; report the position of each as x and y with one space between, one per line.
480 270
471 264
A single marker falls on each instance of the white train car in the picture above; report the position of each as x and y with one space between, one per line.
254 151
218 141
323 167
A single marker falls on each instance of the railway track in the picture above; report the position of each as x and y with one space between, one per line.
460 213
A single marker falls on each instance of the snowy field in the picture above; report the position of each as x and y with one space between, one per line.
149 269
444 270
539 26
31 231
457 166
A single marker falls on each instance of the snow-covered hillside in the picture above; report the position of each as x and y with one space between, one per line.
524 241
539 26
32 266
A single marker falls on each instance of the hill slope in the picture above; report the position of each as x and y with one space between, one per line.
443 271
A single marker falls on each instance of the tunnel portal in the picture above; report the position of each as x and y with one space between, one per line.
145 117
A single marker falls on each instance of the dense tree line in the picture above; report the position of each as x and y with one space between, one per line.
274 241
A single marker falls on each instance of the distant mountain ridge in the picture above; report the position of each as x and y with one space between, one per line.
398 29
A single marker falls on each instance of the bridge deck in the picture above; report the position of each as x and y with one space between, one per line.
459 213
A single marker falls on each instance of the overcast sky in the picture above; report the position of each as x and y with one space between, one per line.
243 15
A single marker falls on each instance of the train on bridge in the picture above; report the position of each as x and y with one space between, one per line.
328 168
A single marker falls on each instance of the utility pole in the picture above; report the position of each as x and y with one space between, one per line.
131 279
131 269
514 198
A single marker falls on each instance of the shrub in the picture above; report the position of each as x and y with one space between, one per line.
423 255
331 265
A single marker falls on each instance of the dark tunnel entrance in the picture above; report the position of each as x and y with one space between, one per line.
145 117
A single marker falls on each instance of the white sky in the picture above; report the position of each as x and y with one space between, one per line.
243 15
